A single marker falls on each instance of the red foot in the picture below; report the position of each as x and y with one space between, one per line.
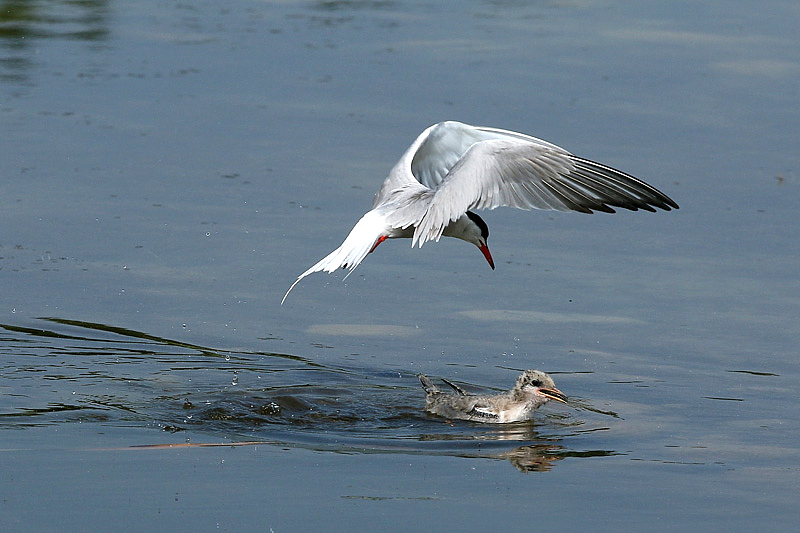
380 240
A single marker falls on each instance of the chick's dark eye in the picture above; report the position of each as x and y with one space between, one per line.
536 383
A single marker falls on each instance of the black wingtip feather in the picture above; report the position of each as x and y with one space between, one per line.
618 188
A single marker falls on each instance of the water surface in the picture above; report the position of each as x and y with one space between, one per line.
169 169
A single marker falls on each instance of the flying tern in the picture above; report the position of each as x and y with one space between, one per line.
453 168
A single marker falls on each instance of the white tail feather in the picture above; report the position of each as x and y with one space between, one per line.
354 249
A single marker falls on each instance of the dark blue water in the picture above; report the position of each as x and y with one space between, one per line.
168 169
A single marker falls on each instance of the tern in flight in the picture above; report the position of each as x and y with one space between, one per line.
453 168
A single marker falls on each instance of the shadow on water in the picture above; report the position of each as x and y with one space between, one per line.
73 371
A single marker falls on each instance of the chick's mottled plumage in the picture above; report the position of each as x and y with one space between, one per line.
533 388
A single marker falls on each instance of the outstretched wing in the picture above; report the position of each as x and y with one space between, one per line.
430 157
515 170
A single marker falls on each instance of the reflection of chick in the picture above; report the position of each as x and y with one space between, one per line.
535 458
533 388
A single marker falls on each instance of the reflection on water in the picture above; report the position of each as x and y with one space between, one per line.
24 23
72 371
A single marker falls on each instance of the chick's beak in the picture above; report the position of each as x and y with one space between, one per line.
487 254
554 394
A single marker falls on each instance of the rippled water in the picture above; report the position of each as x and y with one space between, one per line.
167 169
118 377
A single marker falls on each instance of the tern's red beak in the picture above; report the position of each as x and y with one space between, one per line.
487 254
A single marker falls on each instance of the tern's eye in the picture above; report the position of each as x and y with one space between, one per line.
536 382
